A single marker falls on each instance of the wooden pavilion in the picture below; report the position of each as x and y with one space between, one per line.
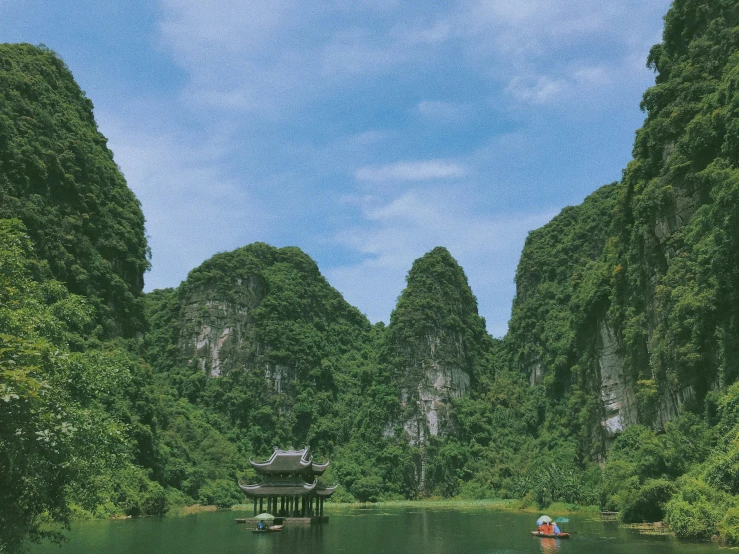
289 486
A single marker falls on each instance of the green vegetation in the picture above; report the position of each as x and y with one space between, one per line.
650 265
115 403
58 177
69 426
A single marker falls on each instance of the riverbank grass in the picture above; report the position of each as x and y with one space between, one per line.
558 508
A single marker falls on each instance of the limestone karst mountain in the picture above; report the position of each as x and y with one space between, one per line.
434 345
269 321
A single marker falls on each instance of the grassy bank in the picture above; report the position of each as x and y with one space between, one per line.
496 504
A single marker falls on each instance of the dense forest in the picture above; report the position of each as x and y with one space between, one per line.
615 386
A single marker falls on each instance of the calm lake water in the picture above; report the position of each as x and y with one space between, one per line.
356 530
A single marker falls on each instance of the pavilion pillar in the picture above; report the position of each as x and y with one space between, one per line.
255 507
261 505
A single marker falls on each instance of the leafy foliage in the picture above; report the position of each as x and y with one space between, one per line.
55 431
58 177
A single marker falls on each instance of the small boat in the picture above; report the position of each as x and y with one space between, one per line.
271 528
551 535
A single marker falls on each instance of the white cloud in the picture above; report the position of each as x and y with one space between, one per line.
269 56
392 234
553 51
192 209
427 170
538 90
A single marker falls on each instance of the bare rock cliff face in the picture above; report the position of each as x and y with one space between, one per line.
617 395
217 332
433 380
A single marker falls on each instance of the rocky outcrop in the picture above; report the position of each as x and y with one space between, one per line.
617 396
431 385
217 333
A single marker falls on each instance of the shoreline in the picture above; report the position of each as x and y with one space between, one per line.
496 504
501 505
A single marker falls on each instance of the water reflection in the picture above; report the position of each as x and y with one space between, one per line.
549 546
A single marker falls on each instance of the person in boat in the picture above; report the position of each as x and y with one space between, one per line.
260 525
555 528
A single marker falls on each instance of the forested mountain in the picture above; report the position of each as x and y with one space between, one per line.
272 330
76 423
616 384
626 307
58 177
644 268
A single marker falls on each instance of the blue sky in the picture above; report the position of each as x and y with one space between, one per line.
364 132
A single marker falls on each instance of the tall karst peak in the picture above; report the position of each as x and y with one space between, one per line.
435 343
